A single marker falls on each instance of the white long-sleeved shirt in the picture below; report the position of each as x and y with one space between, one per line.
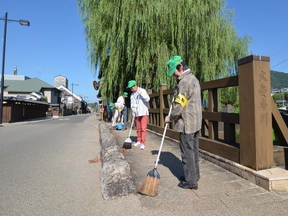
120 103
139 102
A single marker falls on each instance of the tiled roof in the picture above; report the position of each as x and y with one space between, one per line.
28 85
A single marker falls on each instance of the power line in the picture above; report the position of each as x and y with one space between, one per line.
283 67
279 63
279 51
282 61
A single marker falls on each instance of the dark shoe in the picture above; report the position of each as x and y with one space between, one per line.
182 179
185 186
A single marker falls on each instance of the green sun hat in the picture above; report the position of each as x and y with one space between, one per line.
125 94
111 105
172 64
131 83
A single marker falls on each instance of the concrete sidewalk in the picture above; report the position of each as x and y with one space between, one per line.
220 192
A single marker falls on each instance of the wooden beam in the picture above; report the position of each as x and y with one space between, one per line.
279 125
218 148
256 147
220 83
232 118
169 133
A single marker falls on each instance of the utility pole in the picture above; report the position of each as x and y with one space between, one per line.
73 84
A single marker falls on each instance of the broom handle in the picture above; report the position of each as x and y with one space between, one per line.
131 126
163 136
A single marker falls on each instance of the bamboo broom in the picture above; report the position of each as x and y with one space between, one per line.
150 185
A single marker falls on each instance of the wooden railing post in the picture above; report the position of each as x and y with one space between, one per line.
256 147
162 104
150 118
213 107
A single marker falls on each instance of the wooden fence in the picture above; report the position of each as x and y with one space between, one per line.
19 110
258 115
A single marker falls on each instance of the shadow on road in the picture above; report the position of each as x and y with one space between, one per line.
173 163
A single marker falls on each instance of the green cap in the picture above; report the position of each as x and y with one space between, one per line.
131 83
125 94
111 105
172 64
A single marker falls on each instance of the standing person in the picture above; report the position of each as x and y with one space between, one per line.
125 112
187 114
112 112
120 103
139 105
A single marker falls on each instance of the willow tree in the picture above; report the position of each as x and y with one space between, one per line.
133 39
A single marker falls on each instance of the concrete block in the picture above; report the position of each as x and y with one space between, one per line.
279 185
263 182
248 176
116 180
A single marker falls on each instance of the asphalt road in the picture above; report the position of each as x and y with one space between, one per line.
44 168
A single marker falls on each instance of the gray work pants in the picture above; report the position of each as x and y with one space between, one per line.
189 145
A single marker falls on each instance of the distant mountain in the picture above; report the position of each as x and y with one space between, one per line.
279 80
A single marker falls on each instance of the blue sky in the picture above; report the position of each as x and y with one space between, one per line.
266 22
55 44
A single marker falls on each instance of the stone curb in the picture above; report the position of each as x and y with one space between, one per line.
116 180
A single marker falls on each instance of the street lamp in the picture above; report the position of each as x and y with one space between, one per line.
24 23
73 84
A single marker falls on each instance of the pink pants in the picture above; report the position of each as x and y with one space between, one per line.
141 124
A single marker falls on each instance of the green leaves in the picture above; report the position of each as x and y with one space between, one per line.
135 39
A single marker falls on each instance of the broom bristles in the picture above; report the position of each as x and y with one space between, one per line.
150 186
127 145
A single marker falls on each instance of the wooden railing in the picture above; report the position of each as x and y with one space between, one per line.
258 115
